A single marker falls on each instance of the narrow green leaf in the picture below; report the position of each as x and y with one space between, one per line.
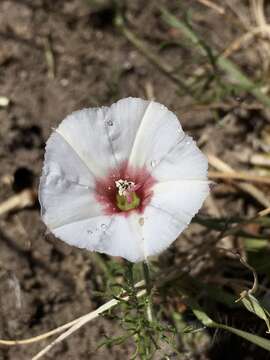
253 305
223 63
203 317
255 244
255 339
207 321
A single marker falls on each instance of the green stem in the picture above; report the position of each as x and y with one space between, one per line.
163 67
130 282
148 285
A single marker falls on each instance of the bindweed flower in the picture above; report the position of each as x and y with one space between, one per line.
123 180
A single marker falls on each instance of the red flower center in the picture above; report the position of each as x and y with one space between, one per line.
111 192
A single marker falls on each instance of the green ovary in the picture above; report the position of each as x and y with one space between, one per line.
123 204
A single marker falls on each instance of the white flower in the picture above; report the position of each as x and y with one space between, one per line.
123 180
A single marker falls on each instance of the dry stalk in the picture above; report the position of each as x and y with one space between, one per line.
239 176
248 188
246 38
90 316
24 199
257 10
219 9
87 318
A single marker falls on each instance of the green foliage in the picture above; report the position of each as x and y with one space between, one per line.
217 62
133 317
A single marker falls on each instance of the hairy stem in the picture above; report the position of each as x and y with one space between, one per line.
148 285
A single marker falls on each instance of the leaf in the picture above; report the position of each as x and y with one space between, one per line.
207 321
255 339
253 305
221 62
255 244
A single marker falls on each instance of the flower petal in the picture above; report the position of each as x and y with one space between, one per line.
171 209
159 129
85 132
116 236
123 238
125 116
62 160
63 202
66 191
103 137
167 153
184 161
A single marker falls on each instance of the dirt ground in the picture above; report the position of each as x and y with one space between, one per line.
57 57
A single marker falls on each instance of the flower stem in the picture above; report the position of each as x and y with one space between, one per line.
148 285
130 283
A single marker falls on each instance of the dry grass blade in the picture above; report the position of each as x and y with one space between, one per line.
19 201
257 9
241 16
42 336
260 160
219 9
246 38
239 176
52 332
87 318
248 188
264 212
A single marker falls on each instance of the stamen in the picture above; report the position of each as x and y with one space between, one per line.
125 187
126 197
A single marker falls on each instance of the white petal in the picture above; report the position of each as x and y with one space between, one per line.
183 161
123 238
103 137
62 160
64 202
85 233
171 209
126 116
116 236
85 131
158 131
165 150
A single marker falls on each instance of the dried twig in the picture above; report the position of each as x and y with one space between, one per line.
239 176
89 317
247 37
248 188
260 160
50 60
149 91
237 11
62 327
24 199
213 6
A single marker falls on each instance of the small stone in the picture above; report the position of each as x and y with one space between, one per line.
110 123
4 101
64 82
153 163
141 221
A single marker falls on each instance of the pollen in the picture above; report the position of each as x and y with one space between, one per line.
126 197
124 187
